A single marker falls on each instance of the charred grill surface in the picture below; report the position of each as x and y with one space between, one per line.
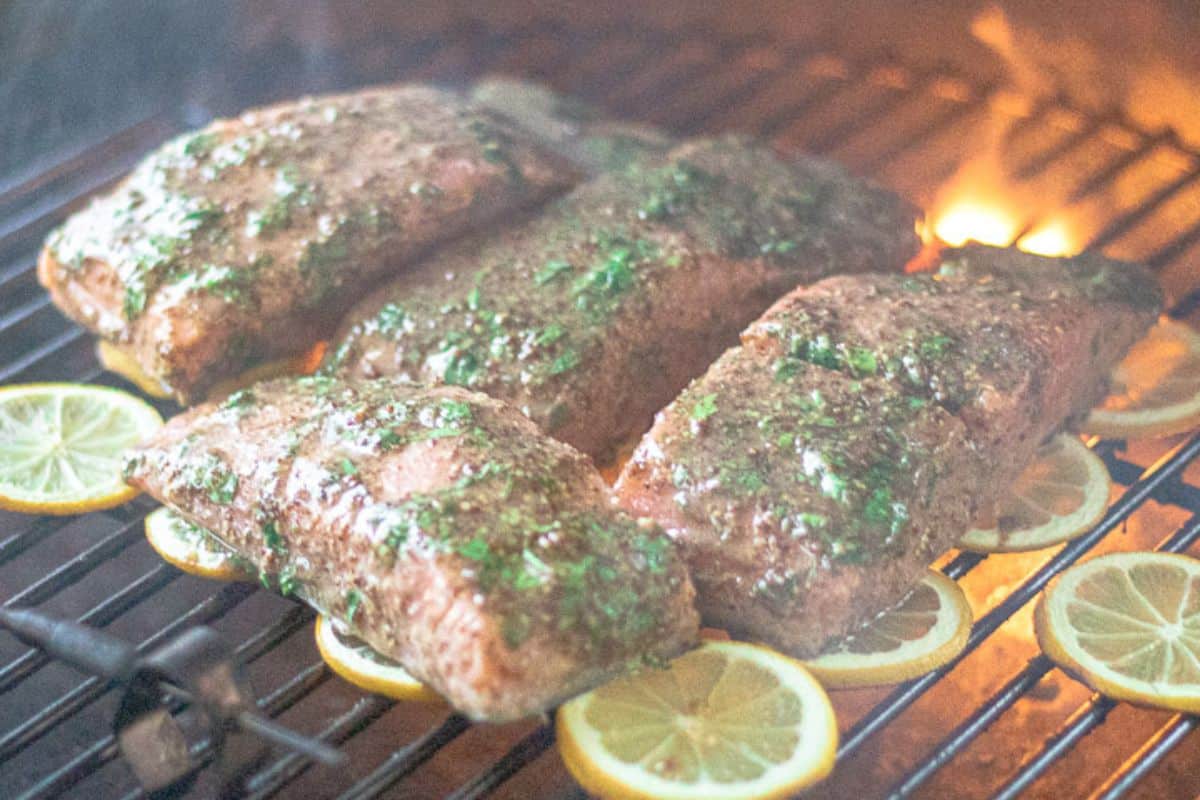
245 241
595 313
439 525
812 474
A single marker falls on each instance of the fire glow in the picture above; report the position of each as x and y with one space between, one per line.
981 203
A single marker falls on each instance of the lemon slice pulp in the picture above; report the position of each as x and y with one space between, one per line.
727 720
928 629
1059 496
1128 625
193 549
358 664
61 446
1156 389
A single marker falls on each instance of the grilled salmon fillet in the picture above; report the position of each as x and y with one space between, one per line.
440 525
574 129
244 242
813 473
595 313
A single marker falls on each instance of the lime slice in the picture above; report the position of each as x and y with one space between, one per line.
1128 625
61 446
1059 496
928 629
728 720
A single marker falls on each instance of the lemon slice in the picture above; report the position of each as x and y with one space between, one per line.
928 629
1059 496
1156 389
727 720
61 446
193 549
118 361
1128 625
360 665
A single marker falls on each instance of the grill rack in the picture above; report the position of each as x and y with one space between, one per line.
800 94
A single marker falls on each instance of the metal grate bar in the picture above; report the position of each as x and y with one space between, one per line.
363 713
104 749
278 701
1138 765
15 370
1040 162
17 739
405 760
1128 159
906 694
112 607
1014 690
777 123
1127 221
523 753
698 120
868 114
74 569
931 128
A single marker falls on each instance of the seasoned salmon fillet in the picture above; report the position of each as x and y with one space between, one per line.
596 312
813 473
440 525
570 127
244 242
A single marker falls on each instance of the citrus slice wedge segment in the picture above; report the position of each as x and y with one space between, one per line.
358 664
193 549
928 629
727 720
1155 389
1059 496
61 446
1128 625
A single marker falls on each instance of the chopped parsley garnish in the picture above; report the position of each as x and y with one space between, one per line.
553 269
705 407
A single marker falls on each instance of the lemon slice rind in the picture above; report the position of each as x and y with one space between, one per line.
1059 638
389 680
1060 528
118 362
841 668
73 433
812 758
179 543
1168 420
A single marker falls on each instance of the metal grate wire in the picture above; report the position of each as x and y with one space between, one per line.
721 83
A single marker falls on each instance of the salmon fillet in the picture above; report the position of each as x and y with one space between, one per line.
572 128
244 242
595 313
813 473
439 525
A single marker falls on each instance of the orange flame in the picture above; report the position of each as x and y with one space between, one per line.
980 203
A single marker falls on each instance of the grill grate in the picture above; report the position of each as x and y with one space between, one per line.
1137 194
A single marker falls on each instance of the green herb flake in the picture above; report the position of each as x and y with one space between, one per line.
272 538
554 268
354 601
862 361
569 360
705 407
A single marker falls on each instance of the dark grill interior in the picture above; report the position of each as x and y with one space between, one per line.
1000 721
